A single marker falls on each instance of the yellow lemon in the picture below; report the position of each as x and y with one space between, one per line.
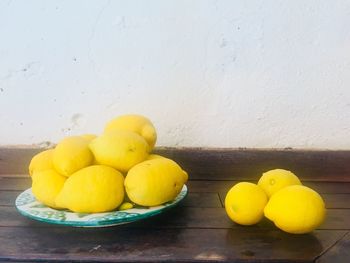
296 209
46 185
93 189
88 137
41 161
119 149
245 202
135 123
154 156
154 182
157 156
71 154
274 180
125 206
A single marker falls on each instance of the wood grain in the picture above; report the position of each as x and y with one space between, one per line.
202 200
15 183
224 186
160 245
16 160
339 253
7 198
249 164
337 200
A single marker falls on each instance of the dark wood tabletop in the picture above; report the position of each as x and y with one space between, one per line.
198 229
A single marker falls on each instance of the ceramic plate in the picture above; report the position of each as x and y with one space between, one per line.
28 206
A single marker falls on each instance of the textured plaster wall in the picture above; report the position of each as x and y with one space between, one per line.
208 73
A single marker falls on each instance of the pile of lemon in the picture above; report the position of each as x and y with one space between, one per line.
91 174
281 197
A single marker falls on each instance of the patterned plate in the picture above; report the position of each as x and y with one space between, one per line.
28 206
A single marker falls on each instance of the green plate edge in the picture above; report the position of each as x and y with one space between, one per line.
105 223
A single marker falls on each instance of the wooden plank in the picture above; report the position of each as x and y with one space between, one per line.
337 219
337 200
225 164
14 175
188 217
16 160
160 245
339 253
16 184
201 200
7 198
329 187
249 164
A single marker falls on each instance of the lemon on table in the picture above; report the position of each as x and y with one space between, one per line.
274 180
296 209
119 149
93 189
71 154
41 161
245 202
154 182
135 123
46 185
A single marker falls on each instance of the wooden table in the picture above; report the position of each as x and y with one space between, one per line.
198 230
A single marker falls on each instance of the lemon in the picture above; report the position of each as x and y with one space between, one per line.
154 182
157 156
245 202
154 156
135 123
296 209
71 154
119 149
46 185
88 137
125 206
41 161
274 180
93 189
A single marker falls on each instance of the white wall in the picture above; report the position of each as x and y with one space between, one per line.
208 73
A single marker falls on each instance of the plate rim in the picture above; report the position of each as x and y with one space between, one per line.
104 223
